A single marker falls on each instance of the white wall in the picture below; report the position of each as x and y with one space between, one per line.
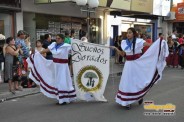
19 21
113 21
7 24
166 27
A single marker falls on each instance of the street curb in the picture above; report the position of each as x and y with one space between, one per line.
9 96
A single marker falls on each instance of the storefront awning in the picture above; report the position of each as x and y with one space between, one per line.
133 14
9 8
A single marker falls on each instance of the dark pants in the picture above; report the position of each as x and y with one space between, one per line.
181 61
49 57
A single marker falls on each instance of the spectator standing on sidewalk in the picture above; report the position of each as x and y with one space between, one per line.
120 38
11 59
20 40
46 43
180 40
39 47
84 37
2 41
181 55
160 35
148 40
172 59
27 41
174 35
67 38
116 44
68 41
72 34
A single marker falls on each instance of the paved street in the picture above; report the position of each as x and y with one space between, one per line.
38 108
99 36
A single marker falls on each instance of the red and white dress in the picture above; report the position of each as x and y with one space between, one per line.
141 71
53 76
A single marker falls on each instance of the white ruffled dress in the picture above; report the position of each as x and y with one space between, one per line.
53 76
141 74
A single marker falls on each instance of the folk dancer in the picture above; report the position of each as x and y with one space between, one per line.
140 71
53 76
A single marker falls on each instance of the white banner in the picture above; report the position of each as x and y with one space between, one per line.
91 70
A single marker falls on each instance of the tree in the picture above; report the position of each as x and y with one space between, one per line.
91 77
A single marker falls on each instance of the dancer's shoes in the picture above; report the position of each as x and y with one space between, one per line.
64 103
128 107
140 101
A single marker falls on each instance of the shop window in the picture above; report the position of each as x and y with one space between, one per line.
52 24
2 27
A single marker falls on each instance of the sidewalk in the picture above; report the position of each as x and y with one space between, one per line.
115 70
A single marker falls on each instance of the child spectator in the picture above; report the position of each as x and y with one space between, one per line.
181 56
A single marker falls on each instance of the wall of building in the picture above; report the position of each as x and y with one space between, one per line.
114 21
165 27
30 26
7 24
65 9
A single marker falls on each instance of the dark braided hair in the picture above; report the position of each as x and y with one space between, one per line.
61 36
134 38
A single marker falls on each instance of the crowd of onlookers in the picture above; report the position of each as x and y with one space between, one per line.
176 50
16 51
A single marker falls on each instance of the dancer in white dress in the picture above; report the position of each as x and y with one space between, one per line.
53 76
140 71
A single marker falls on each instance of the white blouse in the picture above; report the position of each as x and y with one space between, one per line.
138 46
